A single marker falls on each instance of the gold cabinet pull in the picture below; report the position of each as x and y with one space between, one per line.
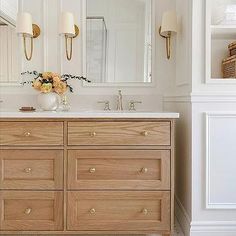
92 170
145 211
144 170
92 211
93 134
27 170
28 211
144 133
27 134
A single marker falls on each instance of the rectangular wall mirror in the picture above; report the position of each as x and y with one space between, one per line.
9 58
119 46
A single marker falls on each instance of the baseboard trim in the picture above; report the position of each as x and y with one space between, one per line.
182 217
214 227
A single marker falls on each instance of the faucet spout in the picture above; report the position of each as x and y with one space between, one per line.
119 101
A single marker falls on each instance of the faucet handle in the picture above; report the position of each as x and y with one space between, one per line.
132 105
106 105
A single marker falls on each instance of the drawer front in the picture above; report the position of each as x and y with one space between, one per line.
118 210
119 169
31 133
31 169
119 133
31 210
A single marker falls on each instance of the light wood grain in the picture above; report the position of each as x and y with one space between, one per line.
119 169
45 210
118 133
118 151
113 210
31 133
31 169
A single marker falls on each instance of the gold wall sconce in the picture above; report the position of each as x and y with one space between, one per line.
27 29
167 28
69 30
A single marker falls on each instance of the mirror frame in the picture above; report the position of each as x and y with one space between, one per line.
116 84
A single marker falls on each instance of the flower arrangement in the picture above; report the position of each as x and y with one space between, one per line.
47 82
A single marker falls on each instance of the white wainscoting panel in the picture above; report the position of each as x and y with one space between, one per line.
221 160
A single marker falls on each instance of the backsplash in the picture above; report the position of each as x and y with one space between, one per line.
85 102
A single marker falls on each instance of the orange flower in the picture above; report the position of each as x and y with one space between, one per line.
60 88
46 88
47 75
37 84
56 80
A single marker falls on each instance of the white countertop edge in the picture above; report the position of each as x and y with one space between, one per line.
160 115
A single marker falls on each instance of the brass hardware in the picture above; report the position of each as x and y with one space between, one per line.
144 170
106 105
132 105
167 38
92 170
36 33
27 170
144 133
92 211
119 101
145 211
93 134
27 134
28 211
69 39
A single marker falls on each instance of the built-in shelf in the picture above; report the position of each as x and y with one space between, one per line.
218 38
222 81
223 31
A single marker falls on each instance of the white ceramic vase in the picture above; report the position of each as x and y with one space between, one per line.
48 101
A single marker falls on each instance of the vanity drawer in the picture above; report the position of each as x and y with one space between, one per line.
31 133
118 210
31 169
119 169
31 210
119 133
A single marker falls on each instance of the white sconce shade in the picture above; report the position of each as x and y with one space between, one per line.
69 30
67 24
24 24
169 22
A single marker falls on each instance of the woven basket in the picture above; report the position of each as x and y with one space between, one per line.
232 49
229 67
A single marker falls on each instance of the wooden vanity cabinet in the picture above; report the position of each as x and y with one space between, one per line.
86 176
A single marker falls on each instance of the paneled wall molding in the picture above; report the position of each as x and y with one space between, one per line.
45 35
210 117
182 216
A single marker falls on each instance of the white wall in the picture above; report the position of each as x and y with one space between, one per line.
49 54
205 196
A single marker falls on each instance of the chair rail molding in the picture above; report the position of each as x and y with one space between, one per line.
206 97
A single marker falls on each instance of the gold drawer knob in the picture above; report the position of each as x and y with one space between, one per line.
28 211
93 134
92 211
92 170
145 211
144 133
27 170
144 170
27 134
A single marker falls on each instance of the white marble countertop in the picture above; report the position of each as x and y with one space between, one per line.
89 114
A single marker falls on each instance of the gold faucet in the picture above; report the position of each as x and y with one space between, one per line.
119 101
